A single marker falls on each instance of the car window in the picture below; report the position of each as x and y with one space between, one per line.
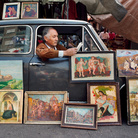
15 39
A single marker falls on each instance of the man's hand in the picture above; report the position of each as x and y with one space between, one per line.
70 52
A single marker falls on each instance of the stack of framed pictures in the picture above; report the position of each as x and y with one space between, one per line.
127 61
29 10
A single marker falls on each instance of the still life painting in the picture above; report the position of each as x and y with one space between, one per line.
79 116
11 74
127 61
132 94
93 66
106 96
11 104
44 107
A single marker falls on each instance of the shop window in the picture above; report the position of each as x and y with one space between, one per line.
15 39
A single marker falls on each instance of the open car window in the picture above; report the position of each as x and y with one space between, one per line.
15 39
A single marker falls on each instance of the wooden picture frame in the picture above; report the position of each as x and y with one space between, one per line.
44 107
11 10
11 106
132 100
127 61
29 10
93 66
86 115
106 96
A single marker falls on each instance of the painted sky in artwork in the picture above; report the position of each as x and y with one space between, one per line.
81 111
47 98
12 67
122 53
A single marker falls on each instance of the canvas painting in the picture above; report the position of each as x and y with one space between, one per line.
106 96
29 10
127 61
79 116
132 94
93 66
44 107
11 104
11 10
11 74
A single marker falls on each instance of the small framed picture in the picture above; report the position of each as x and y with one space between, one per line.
127 61
11 10
29 10
132 100
44 107
77 115
106 96
93 66
11 106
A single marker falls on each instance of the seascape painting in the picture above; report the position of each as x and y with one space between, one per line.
92 67
127 61
133 99
11 74
106 96
45 107
11 102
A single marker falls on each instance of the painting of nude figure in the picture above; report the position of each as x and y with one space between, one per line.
93 66
106 96
44 107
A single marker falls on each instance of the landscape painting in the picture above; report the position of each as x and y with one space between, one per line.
127 61
11 74
79 116
106 96
93 66
11 104
132 94
44 107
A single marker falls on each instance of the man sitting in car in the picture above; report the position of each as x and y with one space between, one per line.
50 47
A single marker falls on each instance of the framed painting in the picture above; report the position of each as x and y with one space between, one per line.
29 10
93 66
106 96
132 100
11 10
11 74
127 61
11 106
77 115
44 107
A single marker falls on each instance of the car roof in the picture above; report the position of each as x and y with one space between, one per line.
43 21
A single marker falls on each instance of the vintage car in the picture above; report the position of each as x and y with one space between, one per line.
19 39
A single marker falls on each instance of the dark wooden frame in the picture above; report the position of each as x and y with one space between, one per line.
70 125
129 122
116 84
93 79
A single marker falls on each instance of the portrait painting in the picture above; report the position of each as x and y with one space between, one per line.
11 106
11 10
132 96
127 61
106 96
92 66
76 115
11 74
44 107
29 10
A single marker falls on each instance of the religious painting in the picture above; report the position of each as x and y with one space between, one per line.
106 96
44 107
11 10
127 61
11 74
78 115
93 66
29 10
132 96
11 106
